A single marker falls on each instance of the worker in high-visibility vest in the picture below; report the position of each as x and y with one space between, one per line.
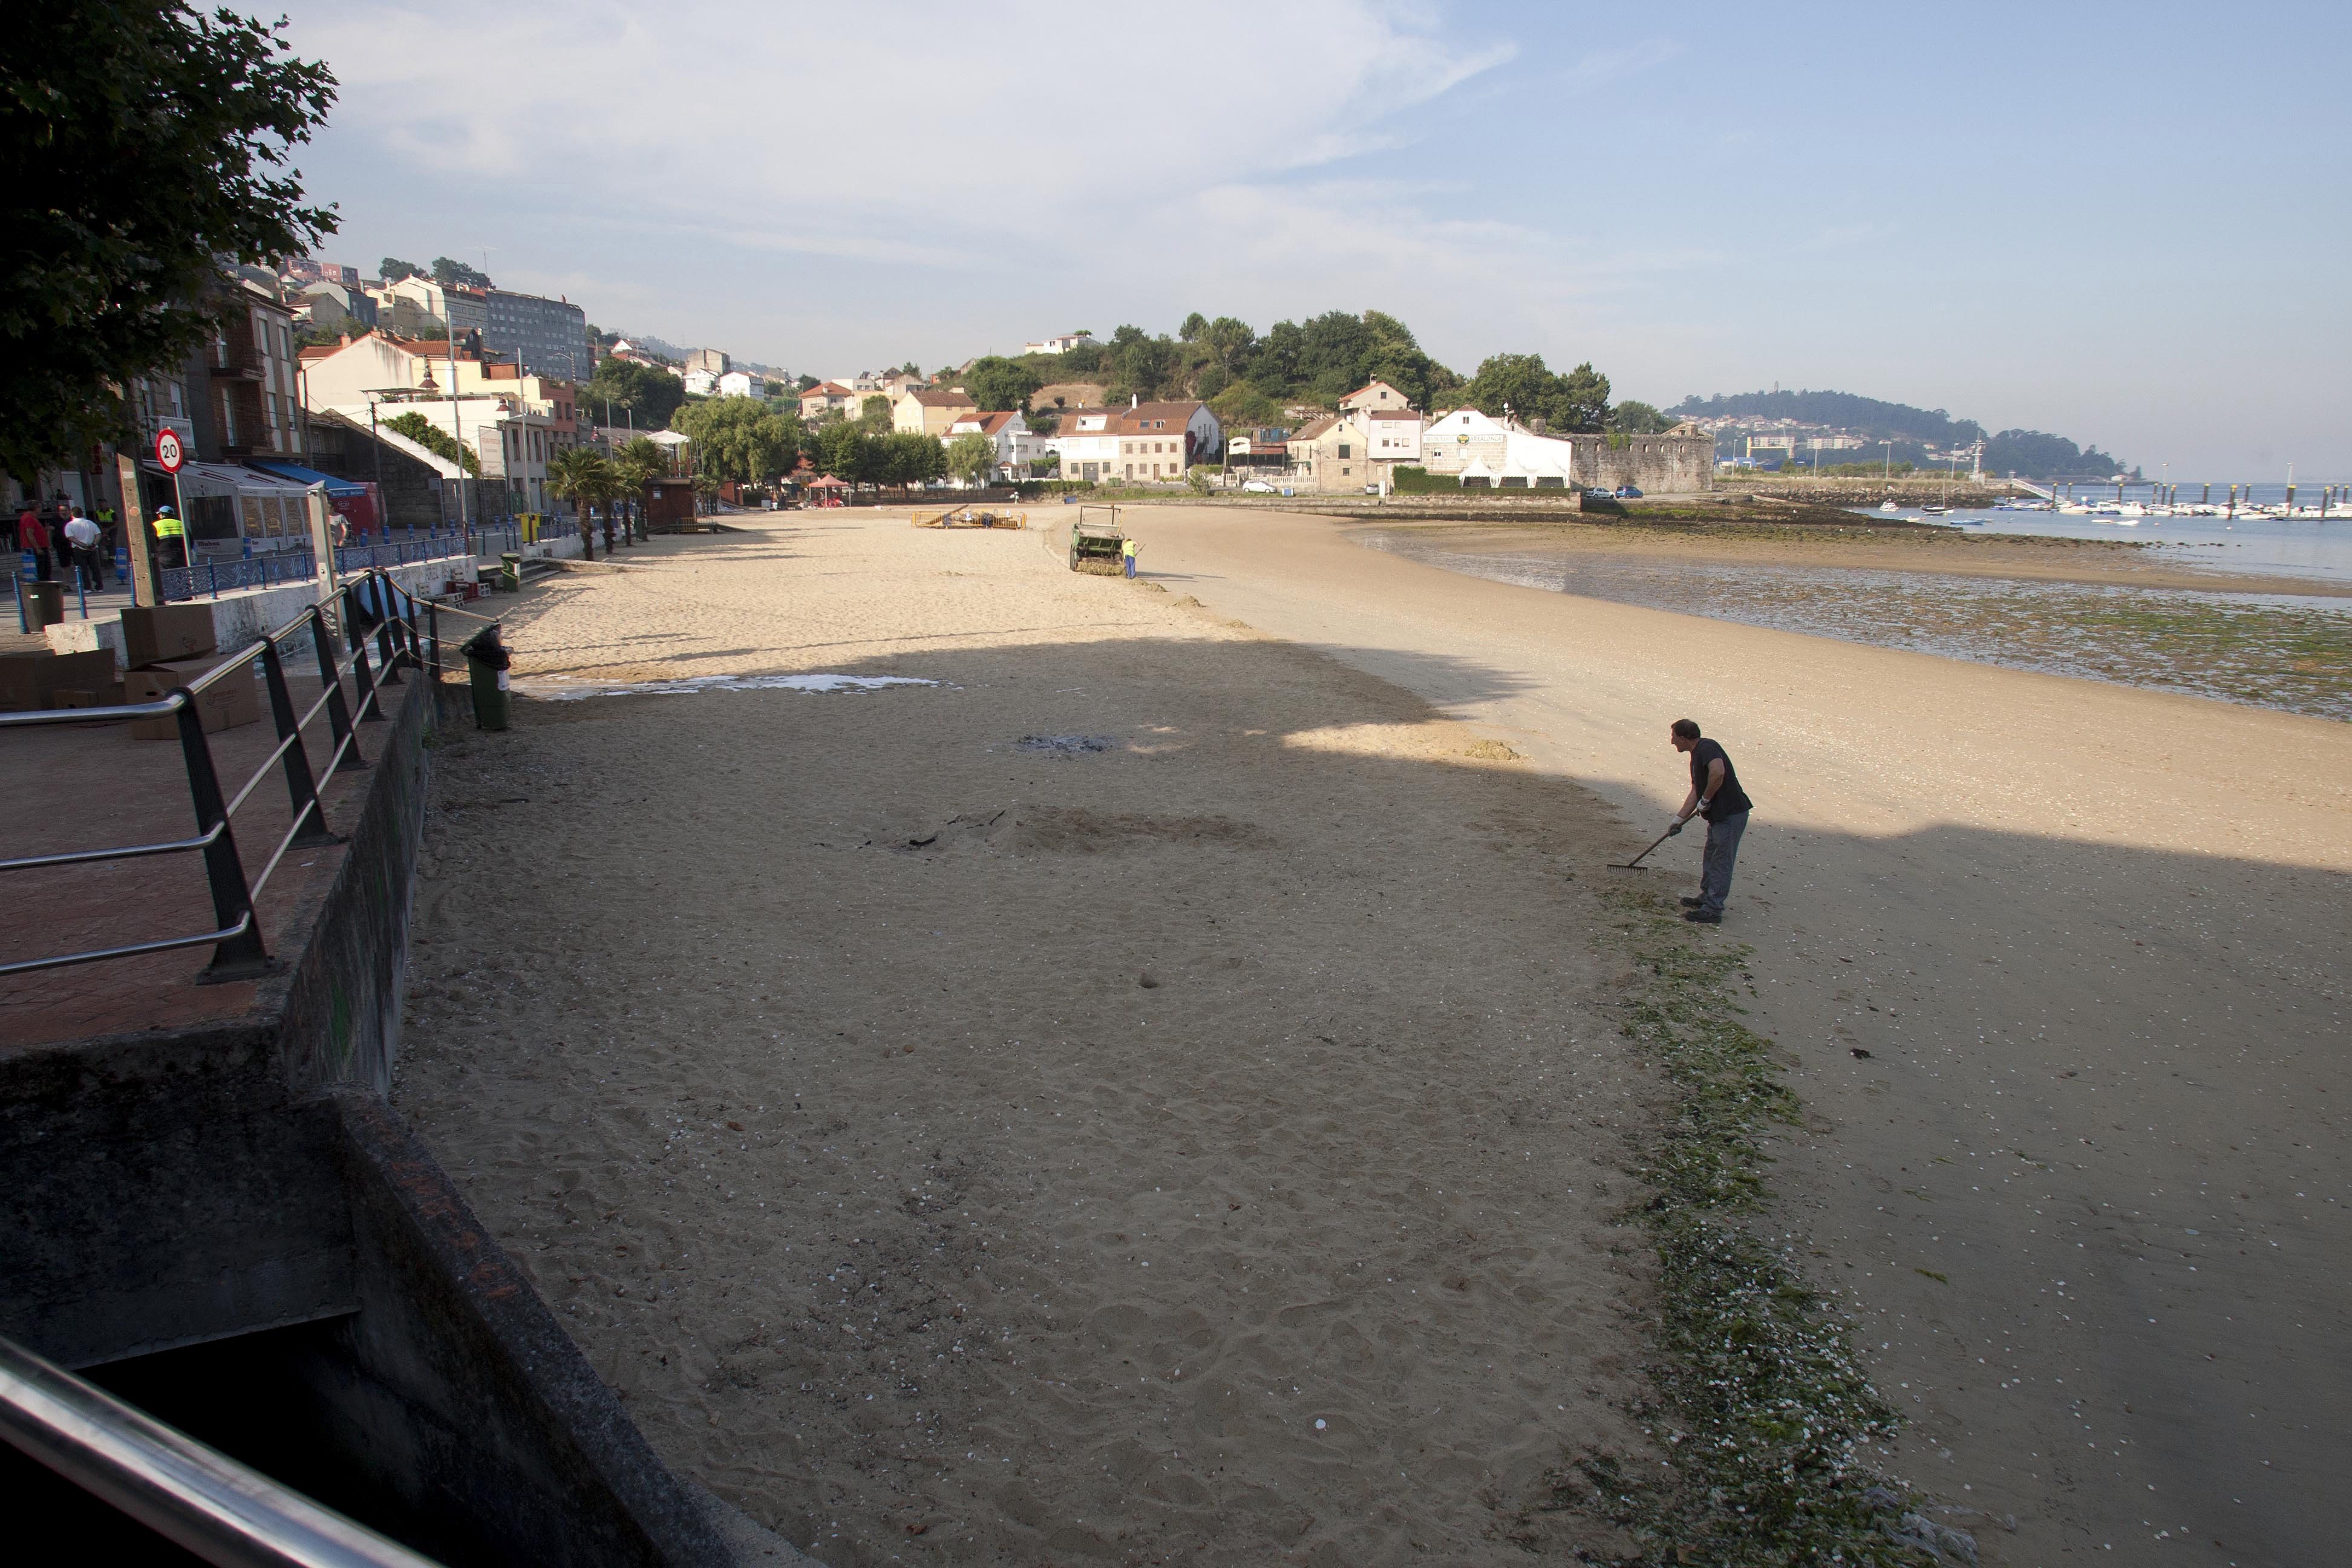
171 539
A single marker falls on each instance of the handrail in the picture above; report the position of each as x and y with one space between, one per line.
371 605
185 1492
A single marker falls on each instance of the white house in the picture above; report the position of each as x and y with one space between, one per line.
1060 345
1489 454
700 384
741 383
1017 446
1152 441
1390 434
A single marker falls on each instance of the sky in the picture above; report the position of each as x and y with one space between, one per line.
2123 224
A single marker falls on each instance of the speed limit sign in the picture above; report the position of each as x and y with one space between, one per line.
169 454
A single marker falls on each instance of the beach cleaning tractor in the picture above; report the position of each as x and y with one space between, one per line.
1097 541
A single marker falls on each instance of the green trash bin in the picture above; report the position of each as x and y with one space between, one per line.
487 661
509 572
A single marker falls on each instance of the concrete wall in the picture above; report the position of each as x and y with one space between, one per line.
341 1018
239 1196
165 1189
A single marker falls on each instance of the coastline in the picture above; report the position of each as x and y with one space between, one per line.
2115 563
2088 609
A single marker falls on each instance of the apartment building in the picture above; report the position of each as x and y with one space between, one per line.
548 337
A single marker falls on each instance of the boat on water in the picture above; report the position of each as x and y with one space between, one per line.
2074 509
1888 506
1932 510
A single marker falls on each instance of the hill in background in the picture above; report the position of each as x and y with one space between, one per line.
1915 434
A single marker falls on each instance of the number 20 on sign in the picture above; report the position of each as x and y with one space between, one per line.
169 455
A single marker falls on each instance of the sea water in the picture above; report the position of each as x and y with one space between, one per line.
2271 547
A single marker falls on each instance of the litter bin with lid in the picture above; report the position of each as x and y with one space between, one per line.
509 572
487 661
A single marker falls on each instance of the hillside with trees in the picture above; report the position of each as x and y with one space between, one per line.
1253 378
1909 431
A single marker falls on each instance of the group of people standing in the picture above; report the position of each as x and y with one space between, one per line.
61 535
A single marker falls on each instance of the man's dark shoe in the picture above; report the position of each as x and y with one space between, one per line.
1690 903
1702 917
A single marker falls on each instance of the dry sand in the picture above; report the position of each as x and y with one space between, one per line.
2084 1186
1201 1149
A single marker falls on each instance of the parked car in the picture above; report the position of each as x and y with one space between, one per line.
1598 492
1256 488
1627 492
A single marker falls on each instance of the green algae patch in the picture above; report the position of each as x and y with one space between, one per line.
1758 1410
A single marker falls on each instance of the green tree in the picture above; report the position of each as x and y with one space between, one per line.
392 270
847 451
874 414
1634 418
808 382
998 384
636 463
908 458
452 274
584 477
435 440
650 395
738 438
970 457
147 146
1195 326
1577 401
1230 342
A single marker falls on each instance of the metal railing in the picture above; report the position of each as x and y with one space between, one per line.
184 1490
211 579
371 606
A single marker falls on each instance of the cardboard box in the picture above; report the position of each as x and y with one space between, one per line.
234 700
156 632
69 696
27 679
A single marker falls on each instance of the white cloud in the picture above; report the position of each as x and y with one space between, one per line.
850 116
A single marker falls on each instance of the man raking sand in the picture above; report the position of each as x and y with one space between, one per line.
1715 794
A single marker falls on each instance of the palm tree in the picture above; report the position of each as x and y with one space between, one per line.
636 464
581 475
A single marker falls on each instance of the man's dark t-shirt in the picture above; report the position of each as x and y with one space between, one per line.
1730 800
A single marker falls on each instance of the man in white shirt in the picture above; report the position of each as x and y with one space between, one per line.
83 535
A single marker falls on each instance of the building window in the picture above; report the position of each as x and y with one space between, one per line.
1344 451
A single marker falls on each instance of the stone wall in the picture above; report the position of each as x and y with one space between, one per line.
1655 465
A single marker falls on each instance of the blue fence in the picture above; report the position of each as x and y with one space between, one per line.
211 579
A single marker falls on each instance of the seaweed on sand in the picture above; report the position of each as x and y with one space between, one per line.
1760 1409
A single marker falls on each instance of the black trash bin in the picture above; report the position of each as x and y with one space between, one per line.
487 662
42 604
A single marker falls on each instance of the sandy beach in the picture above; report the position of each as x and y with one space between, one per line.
1189 1136
1198 1133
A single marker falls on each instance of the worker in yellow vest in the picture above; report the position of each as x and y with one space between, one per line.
171 539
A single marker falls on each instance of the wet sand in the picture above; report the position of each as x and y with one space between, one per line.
2119 562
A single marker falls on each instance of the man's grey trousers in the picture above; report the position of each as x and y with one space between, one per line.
1722 853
